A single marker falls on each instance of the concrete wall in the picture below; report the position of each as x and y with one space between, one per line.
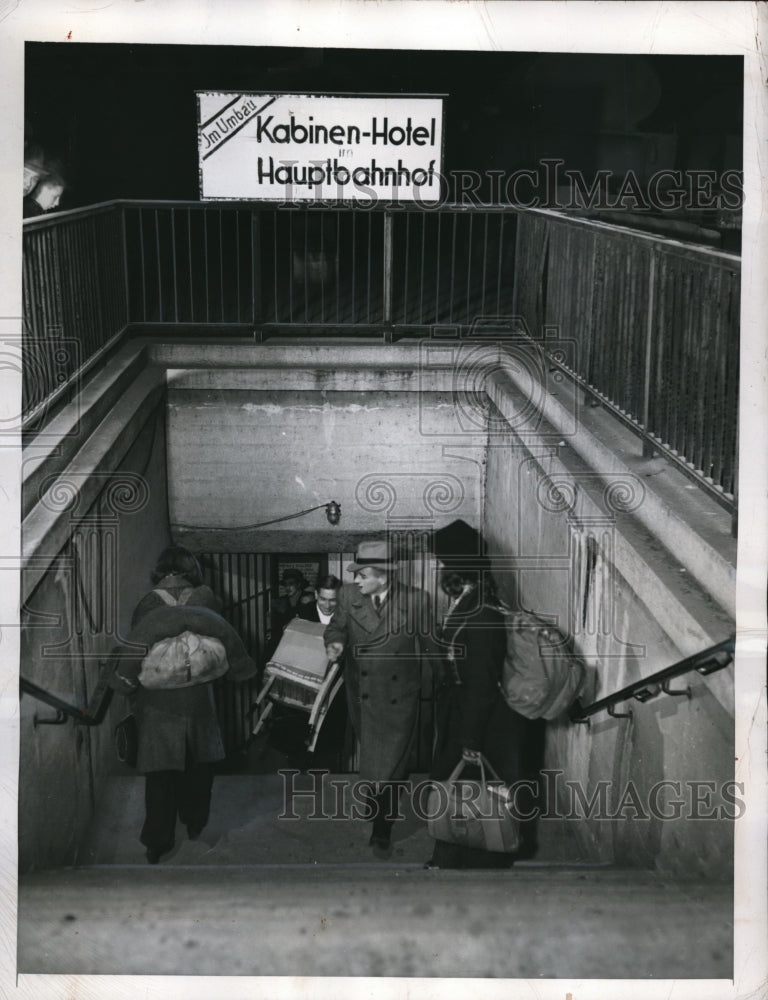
567 542
75 614
239 457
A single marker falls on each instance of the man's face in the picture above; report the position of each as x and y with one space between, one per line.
327 600
49 196
370 581
31 177
291 586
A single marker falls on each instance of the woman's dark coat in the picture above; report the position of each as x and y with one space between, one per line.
175 723
470 710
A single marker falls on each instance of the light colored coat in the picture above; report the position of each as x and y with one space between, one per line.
382 670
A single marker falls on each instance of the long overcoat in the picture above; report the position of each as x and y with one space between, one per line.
470 710
382 669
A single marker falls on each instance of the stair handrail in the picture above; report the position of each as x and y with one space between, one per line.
708 661
93 715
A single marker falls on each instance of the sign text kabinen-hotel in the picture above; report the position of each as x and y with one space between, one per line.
292 147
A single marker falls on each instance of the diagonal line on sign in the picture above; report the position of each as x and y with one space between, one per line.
233 133
221 111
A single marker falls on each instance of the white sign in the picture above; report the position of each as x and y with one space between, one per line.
311 147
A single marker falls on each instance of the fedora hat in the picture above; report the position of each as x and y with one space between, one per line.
375 554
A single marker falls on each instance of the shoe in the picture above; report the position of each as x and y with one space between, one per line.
431 865
154 853
193 832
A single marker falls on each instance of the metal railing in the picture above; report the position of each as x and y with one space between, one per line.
74 296
316 268
707 662
654 323
655 327
93 715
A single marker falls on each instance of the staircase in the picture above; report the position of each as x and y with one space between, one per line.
259 895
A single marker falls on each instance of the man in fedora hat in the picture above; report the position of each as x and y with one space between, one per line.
380 627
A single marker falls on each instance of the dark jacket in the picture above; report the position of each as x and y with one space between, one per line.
470 710
382 670
179 723
307 611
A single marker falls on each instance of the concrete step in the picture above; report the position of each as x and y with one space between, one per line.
366 920
261 894
268 819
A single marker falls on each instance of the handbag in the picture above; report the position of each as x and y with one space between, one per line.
473 813
127 740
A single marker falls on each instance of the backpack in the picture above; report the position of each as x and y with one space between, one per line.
182 660
541 676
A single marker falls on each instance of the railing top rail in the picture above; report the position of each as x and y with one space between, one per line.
661 242
90 716
706 662
52 218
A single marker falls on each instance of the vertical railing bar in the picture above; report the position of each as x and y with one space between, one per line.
714 397
718 427
78 267
306 268
221 262
254 278
205 262
405 276
453 267
191 270
28 326
160 309
370 267
143 266
99 286
485 262
501 268
40 312
387 275
679 296
48 313
126 273
469 270
71 256
353 221
88 236
322 267
290 268
437 271
238 265
421 277
175 273
336 256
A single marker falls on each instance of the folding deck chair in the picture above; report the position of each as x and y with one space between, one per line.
300 676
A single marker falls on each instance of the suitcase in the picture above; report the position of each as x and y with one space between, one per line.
473 813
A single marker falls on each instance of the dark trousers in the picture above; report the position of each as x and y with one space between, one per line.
386 810
168 794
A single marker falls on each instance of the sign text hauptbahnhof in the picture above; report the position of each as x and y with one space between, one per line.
303 147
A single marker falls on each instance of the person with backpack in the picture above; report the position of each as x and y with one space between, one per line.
187 644
471 716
